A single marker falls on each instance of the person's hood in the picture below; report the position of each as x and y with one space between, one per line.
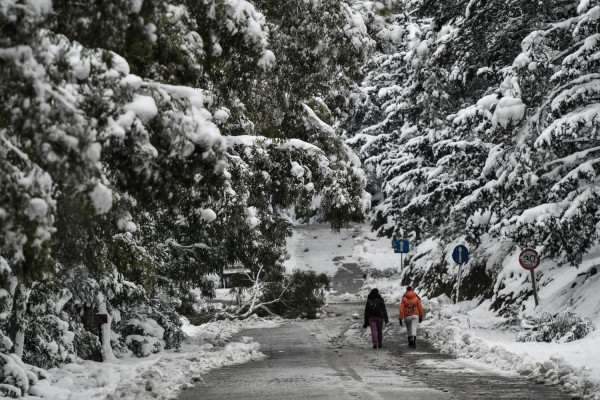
410 295
374 294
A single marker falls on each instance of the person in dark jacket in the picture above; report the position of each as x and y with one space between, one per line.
375 316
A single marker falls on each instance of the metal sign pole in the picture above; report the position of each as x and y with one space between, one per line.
458 283
401 254
533 281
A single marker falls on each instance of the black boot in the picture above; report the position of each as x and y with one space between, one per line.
410 341
374 345
414 342
379 345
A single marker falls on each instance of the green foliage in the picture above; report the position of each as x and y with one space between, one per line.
477 121
26 219
122 183
48 337
319 48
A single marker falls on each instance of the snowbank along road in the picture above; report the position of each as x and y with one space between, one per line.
332 358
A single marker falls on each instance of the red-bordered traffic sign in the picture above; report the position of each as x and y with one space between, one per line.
529 259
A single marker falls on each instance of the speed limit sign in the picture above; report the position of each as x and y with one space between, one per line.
529 259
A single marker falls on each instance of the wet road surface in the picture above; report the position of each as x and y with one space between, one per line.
331 358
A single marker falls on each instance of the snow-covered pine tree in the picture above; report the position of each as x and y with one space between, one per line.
563 132
471 143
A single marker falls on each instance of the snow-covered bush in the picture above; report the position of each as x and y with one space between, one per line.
87 345
150 327
16 377
13 379
48 337
565 326
48 341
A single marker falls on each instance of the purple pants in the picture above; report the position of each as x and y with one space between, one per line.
376 324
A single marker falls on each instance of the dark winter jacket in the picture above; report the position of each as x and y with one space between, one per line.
375 307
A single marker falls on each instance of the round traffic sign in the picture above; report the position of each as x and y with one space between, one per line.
529 259
460 255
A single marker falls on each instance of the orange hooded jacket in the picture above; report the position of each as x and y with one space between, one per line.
410 305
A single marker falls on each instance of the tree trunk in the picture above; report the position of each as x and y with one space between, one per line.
107 351
18 323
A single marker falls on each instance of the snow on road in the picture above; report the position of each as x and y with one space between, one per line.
469 329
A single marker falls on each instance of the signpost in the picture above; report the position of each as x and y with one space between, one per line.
460 255
400 246
100 319
530 260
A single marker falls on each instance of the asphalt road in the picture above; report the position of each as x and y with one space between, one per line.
332 358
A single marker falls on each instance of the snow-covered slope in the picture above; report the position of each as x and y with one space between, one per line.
472 329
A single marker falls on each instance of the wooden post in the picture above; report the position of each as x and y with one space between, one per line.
534 283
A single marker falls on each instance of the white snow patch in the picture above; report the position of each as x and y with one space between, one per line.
208 215
126 224
119 64
509 110
252 217
38 208
93 152
102 198
221 115
488 101
161 375
144 107
267 60
583 6
297 170
135 6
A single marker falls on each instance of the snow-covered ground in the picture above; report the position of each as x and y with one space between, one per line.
317 248
159 376
470 330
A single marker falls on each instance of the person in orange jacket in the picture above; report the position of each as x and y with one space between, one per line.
411 310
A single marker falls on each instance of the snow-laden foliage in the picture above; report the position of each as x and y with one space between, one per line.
566 326
477 123
305 294
149 327
146 145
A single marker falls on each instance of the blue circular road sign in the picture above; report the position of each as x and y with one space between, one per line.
460 255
